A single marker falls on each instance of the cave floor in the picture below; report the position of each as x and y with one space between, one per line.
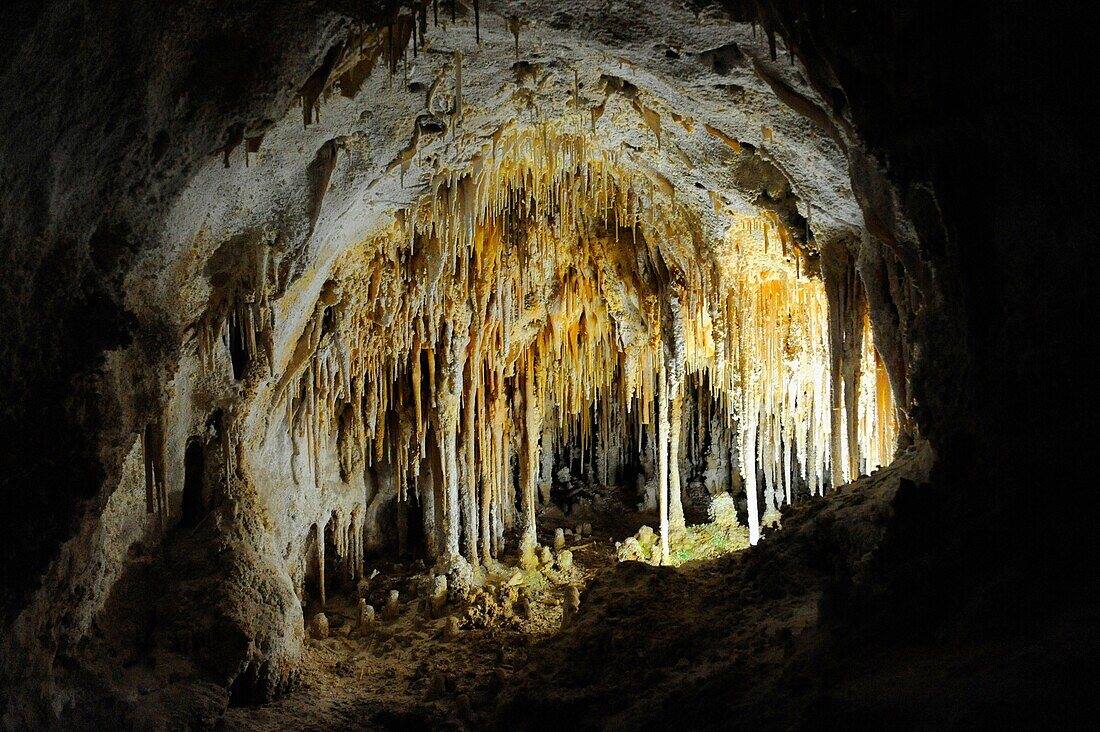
651 645
384 680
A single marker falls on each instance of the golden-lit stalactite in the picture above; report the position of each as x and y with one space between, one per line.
554 293
877 420
782 340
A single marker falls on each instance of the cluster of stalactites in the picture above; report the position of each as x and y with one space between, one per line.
794 428
877 418
519 296
345 533
241 318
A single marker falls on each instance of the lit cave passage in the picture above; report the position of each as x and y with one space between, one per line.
504 365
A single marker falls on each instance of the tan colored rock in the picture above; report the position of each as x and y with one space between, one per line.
450 628
392 609
366 617
565 560
528 559
522 605
437 596
559 539
318 626
571 606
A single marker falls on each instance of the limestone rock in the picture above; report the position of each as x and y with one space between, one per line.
393 608
450 628
722 511
565 560
437 595
366 616
318 626
571 605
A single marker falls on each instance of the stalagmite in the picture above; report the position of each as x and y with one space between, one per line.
318 626
662 458
675 380
529 462
468 487
366 616
676 505
748 432
571 606
392 608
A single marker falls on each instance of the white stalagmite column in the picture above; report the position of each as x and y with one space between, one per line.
468 487
676 503
449 450
488 472
456 339
529 462
748 472
674 377
662 454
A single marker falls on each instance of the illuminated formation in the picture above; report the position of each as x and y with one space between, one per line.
554 296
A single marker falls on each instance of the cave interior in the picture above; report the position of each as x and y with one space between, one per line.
520 365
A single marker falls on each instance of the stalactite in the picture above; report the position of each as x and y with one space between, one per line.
676 505
497 323
468 487
514 24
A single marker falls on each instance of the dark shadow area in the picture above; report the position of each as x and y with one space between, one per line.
194 479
